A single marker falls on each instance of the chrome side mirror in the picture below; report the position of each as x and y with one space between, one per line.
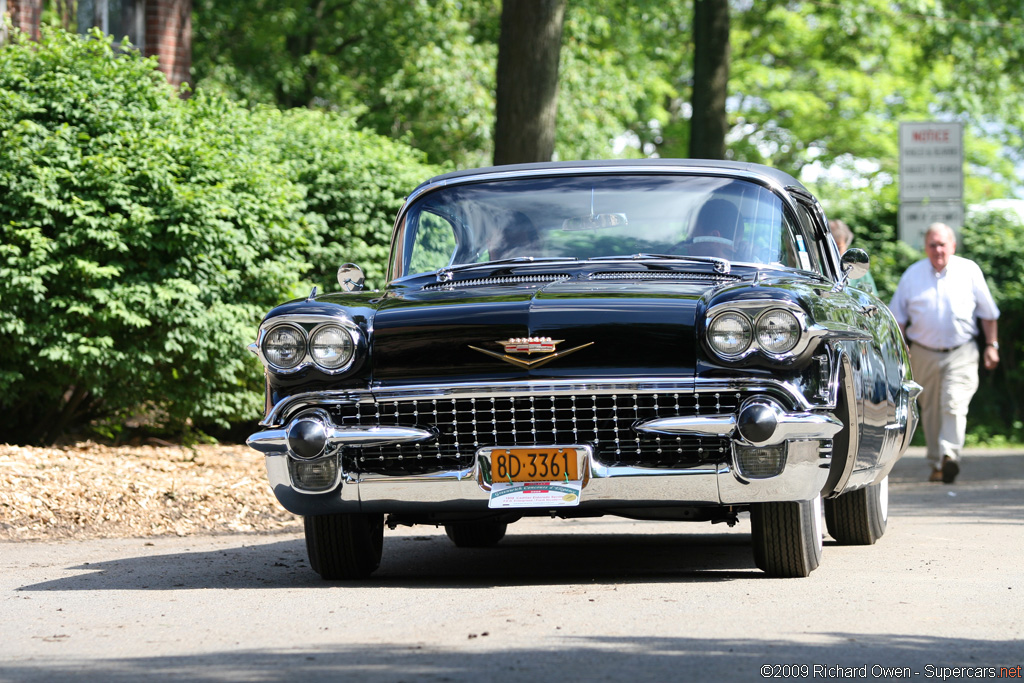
351 277
856 263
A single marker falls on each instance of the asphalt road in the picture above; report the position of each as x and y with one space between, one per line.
596 600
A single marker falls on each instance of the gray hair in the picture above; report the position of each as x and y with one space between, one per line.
940 227
841 232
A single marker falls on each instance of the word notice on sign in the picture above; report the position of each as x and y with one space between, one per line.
931 162
931 178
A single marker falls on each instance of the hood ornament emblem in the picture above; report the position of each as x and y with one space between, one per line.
530 346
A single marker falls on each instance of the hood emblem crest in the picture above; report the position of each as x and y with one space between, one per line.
530 346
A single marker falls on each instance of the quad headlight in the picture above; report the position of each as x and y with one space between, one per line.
333 347
735 331
778 331
284 346
730 334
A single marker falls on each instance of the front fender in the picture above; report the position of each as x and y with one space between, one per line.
845 444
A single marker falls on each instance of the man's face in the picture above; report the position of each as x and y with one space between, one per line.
939 246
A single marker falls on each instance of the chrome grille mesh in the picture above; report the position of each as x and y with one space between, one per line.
498 280
664 275
604 421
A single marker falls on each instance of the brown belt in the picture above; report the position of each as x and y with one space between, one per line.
947 350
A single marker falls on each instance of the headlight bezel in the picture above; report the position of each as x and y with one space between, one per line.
300 350
743 320
309 327
756 314
346 333
762 321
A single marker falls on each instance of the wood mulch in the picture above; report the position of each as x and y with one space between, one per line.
88 490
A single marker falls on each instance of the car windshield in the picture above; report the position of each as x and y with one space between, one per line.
598 217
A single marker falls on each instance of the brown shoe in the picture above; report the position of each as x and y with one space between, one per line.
950 468
936 475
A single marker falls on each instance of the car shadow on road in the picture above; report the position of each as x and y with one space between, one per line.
432 561
990 490
610 658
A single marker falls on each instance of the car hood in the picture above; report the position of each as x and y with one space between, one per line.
613 329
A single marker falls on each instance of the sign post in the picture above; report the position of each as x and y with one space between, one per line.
931 178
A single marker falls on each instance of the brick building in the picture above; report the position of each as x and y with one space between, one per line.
156 27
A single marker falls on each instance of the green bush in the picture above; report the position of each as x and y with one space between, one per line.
143 236
355 180
993 239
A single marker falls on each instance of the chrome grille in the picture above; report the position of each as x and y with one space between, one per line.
604 421
498 280
664 275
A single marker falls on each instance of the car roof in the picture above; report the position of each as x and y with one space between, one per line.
690 165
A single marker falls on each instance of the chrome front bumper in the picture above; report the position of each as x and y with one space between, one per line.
758 423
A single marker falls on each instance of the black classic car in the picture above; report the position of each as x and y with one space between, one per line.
658 339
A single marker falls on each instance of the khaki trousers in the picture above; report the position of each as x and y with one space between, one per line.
949 380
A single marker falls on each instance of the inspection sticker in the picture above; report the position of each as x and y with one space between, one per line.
535 494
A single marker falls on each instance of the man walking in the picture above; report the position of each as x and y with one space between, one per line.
936 304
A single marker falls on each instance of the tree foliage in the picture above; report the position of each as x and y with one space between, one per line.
992 239
143 236
418 70
355 181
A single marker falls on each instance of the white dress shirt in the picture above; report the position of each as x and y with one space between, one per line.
938 309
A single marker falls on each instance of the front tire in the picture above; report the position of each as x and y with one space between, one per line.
475 534
347 546
787 537
859 517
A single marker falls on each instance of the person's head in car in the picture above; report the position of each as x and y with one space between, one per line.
714 232
517 237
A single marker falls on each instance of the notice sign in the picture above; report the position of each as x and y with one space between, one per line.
915 218
931 162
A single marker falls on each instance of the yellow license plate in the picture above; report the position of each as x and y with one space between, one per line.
534 464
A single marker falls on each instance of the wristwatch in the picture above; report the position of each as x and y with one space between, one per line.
994 345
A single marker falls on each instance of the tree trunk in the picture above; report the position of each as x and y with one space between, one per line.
527 92
711 49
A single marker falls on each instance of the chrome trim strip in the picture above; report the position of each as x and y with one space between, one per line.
833 331
377 436
270 442
653 385
696 425
275 441
804 426
790 426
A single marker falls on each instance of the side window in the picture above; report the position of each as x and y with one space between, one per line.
434 244
803 247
